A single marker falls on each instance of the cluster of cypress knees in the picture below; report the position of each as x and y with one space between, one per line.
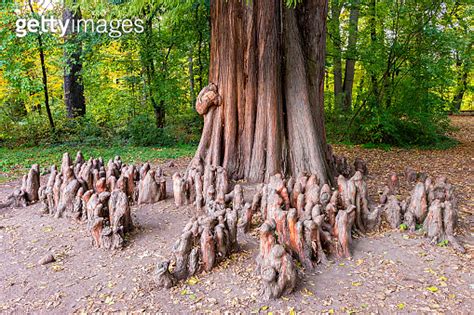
301 217
91 192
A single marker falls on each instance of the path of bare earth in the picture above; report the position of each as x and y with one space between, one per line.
390 271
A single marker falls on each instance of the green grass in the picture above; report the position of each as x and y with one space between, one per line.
14 162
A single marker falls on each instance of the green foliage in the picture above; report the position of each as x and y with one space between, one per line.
403 227
125 79
411 57
17 160
443 243
405 80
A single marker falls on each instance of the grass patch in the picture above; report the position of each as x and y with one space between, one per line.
14 162
383 146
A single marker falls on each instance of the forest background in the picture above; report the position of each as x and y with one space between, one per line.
394 71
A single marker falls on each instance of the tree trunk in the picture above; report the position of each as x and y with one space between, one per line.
461 87
351 56
159 111
199 49
44 74
267 62
149 62
73 88
192 95
336 8
373 41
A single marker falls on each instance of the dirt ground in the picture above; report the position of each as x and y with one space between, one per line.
389 272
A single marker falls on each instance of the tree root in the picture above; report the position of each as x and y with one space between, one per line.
205 242
91 192
431 205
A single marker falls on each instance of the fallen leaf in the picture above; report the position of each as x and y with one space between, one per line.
109 300
307 292
48 229
193 281
432 289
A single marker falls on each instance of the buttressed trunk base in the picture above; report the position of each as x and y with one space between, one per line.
263 111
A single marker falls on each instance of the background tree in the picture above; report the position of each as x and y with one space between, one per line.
405 66
73 87
43 70
351 56
458 23
335 45
412 64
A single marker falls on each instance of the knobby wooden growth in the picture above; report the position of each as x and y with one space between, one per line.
90 192
301 218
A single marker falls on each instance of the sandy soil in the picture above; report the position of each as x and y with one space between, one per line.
390 271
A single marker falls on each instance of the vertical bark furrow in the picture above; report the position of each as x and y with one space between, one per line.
230 98
250 87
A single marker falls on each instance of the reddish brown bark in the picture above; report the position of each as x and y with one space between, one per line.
267 62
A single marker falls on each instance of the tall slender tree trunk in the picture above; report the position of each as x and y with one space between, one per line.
148 60
192 95
267 62
351 56
200 66
44 74
199 49
73 88
462 70
373 40
334 22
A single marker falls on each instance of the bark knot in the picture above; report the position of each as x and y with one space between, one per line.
207 98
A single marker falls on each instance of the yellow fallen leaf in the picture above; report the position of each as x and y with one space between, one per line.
57 267
401 306
109 300
359 262
264 308
48 229
356 284
307 292
193 281
292 311
432 289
